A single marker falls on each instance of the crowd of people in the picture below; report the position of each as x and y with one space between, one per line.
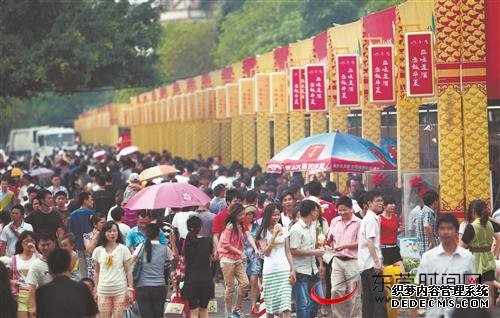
274 237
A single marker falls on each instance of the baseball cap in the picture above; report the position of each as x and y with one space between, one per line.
134 177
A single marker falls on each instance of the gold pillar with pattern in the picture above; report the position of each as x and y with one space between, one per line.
462 114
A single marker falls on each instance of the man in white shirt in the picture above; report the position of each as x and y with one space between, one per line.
10 233
445 261
370 258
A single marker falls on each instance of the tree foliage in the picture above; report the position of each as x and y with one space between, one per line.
68 45
184 49
257 27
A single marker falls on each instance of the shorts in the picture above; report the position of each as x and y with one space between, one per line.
112 303
254 266
391 255
23 301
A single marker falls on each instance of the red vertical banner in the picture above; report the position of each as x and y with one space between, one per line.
381 73
297 89
347 80
419 64
315 87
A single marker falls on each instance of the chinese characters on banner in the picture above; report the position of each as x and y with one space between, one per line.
262 95
220 102
347 80
381 61
211 102
315 87
246 96
232 100
199 105
419 58
297 89
278 93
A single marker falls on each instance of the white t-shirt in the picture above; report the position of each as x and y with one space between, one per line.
38 273
124 229
112 279
180 222
276 261
462 227
22 268
369 228
11 239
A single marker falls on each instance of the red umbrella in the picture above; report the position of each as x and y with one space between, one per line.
167 195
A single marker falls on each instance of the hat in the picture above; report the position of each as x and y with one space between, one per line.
250 209
16 172
134 177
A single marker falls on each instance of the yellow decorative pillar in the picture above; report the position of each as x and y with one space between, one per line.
451 156
249 140
474 99
281 132
236 139
297 128
263 139
370 125
318 123
225 142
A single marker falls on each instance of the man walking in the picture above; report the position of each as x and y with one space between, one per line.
426 222
370 258
305 254
10 233
63 297
343 233
79 224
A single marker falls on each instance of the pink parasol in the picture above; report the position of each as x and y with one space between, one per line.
167 195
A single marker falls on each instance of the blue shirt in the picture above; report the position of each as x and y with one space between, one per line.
79 224
136 237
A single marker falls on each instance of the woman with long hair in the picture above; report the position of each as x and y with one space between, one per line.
150 288
478 238
90 240
254 266
278 273
113 275
198 286
233 258
24 256
8 304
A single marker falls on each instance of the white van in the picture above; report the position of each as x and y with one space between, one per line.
44 140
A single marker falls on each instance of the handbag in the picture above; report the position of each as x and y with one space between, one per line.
136 271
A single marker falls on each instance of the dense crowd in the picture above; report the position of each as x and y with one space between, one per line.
64 223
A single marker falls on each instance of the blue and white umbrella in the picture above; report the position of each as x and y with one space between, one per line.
334 151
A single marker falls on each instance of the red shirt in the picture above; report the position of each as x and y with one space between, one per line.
218 225
329 210
388 230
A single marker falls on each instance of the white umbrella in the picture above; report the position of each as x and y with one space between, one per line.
99 154
127 151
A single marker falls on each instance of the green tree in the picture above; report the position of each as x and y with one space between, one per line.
257 27
184 49
65 46
319 15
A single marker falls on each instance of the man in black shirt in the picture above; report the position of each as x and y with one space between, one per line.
63 297
46 219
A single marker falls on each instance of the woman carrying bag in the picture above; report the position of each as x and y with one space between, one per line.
149 282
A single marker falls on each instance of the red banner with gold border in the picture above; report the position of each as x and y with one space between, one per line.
419 64
315 87
381 73
297 89
347 80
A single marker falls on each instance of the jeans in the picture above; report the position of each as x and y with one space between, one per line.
151 300
373 299
306 307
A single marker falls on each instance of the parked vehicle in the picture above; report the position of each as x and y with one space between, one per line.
44 140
